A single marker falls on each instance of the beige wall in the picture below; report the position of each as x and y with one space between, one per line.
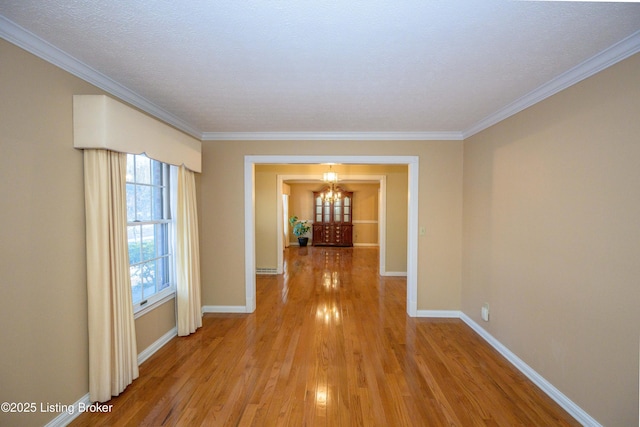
301 201
266 209
154 324
552 239
440 212
365 217
396 221
43 298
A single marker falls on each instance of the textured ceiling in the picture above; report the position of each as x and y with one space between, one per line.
327 66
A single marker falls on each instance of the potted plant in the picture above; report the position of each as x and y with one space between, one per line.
300 228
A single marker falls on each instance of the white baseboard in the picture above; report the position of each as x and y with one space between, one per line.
454 314
157 345
394 273
64 418
560 398
224 309
567 404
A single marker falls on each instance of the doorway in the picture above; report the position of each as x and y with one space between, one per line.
411 162
283 226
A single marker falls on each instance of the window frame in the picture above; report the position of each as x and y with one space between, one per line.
168 188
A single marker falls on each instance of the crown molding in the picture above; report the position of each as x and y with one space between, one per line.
30 42
332 136
608 57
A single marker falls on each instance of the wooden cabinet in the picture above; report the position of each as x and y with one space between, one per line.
332 225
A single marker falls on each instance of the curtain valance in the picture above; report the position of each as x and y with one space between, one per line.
100 122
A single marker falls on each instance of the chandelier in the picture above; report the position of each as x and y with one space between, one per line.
332 193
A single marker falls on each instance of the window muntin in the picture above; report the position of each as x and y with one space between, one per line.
149 229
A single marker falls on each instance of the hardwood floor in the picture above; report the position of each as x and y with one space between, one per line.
330 344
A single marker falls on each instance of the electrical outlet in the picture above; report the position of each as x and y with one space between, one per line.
485 312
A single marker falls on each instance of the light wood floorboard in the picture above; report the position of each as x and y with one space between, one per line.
330 344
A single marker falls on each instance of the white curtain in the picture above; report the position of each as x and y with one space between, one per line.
113 363
189 309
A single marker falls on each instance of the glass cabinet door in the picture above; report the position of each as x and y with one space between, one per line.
337 211
327 211
347 209
318 209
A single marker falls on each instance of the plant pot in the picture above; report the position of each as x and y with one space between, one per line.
302 241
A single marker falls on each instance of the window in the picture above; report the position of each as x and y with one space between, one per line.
149 230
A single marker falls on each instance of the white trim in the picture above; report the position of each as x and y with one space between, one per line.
395 274
64 418
412 239
25 39
226 309
608 57
28 41
332 136
157 345
443 314
169 293
365 221
280 226
369 245
560 398
249 213
249 234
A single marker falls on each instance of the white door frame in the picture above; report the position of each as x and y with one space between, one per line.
249 214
